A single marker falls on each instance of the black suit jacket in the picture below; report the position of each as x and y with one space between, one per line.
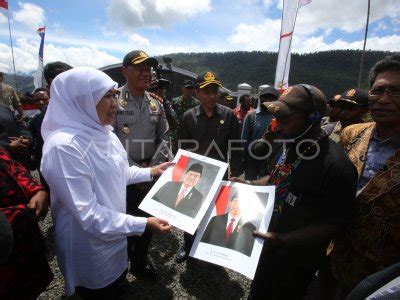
189 206
240 240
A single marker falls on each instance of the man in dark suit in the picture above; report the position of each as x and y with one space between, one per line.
183 196
230 231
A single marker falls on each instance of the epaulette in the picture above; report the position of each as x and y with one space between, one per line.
158 98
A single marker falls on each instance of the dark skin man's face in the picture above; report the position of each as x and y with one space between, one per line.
292 126
350 113
41 98
187 92
334 112
246 104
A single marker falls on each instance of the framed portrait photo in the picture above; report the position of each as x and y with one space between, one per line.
183 194
225 236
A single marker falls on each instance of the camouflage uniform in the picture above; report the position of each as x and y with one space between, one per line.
180 105
8 97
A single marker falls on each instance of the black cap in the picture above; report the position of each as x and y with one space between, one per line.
138 57
354 96
196 168
296 99
334 99
188 84
206 79
226 96
270 90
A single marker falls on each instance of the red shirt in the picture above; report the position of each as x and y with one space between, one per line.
241 114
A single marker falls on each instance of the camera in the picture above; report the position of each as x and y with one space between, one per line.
163 83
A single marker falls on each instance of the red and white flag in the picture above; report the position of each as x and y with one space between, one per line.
290 9
4 4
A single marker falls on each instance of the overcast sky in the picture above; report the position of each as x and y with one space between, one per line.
99 32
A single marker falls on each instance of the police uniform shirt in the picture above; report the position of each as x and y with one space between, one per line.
213 134
142 128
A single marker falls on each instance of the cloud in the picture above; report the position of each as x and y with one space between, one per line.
325 16
314 44
139 41
3 18
30 15
350 17
268 3
263 36
25 52
381 27
153 13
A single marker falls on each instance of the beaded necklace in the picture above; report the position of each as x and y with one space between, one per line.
281 178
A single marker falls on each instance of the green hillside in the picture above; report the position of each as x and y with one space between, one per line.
332 71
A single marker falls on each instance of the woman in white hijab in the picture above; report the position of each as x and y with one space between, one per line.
87 170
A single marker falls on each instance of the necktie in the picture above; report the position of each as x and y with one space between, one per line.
181 195
229 229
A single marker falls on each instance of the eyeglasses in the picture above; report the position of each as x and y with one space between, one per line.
376 93
142 69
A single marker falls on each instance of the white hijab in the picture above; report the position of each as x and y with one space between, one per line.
74 96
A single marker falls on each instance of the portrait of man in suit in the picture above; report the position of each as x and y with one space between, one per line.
183 196
230 230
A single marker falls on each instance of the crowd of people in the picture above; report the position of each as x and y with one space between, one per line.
99 149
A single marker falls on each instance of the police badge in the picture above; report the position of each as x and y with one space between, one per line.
123 102
153 107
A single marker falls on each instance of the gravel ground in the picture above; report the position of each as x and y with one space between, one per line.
192 279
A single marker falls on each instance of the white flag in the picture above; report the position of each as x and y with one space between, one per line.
38 79
290 9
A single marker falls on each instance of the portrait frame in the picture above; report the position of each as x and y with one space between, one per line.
186 213
255 215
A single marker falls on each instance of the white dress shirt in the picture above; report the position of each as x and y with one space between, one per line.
88 202
234 223
187 190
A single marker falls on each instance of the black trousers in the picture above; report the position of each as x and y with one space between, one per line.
188 241
138 246
282 274
114 290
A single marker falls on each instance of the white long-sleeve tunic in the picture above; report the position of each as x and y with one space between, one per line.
88 189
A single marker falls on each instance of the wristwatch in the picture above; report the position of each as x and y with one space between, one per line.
153 172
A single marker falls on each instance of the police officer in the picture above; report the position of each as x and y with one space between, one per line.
143 129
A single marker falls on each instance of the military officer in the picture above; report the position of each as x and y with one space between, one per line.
181 104
186 101
10 99
142 128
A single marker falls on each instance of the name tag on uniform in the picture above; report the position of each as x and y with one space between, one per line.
125 112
